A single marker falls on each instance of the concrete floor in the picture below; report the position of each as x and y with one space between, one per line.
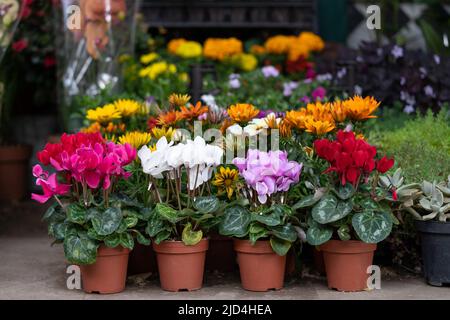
31 268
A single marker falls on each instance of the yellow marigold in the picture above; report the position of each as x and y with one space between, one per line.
318 127
279 44
147 58
156 69
189 49
219 49
226 180
193 112
296 118
93 128
297 49
104 114
312 41
136 139
184 77
158 133
257 49
338 111
242 112
127 107
178 100
169 118
173 45
245 61
359 109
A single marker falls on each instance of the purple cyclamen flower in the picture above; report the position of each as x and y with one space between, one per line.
268 173
270 71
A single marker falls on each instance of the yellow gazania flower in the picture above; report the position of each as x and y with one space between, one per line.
173 45
127 107
178 100
242 112
226 180
193 112
189 49
136 139
219 49
169 118
158 133
152 147
296 118
359 109
312 41
150 57
319 127
338 111
104 114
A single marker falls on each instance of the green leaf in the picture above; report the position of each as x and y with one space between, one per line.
107 222
91 213
126 240
154 226
286 232
191 237
256 232
345 192
141 239
168 213
146 213
58 230
131 221
235 222
271 220
371 226
113 240
344 233
281 247
76 213
207 204
80 249
162 236
318 235
94 235
309 201
50 212
325 211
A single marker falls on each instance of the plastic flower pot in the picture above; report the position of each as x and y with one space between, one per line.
221 255
435 251
260 267
181 267
346 264
109 273
142 259
13 172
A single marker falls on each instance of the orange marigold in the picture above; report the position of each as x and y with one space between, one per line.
173 45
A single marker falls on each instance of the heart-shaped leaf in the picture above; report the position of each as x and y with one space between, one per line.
281 247
191 237
235 222
80 249
107 222
371 226
318 235
76 213
168 213
207 204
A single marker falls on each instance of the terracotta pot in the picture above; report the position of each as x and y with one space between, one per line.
142 260
319 263
221 255
181 267
14 172
109 273
260 267
346 264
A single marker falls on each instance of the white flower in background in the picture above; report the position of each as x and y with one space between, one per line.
235 130
409 109
358 90
397 52
289 87
402 81
210 101
324 77
270 71
437 59
341 73
429 91
155 163
234 83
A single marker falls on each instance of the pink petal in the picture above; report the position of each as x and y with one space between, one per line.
92 179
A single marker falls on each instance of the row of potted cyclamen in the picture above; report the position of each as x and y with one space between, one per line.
107 196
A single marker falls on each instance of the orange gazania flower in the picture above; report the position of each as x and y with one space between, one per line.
169 118
318 127
225 125
359 109
296 118
242 112
193 112
93 128
285 129
338 111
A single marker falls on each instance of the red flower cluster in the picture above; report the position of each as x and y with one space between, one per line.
301 65
351 158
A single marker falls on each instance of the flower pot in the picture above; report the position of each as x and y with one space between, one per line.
260 267
181 267
346 264
221 255
142 259
13 172
435 251
109 273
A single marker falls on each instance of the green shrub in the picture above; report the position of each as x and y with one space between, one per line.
421 147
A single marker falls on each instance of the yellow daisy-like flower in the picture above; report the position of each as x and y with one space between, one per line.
242 112
178 100
226 180
359 109
158 133
156 69
173 45
150 57
296 118
318 127
104 114
136 139
338 111
189 49
127 107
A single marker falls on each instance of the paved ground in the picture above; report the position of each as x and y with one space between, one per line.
30 268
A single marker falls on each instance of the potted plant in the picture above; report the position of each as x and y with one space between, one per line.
350 213
95 223
263 233
179 179
429 203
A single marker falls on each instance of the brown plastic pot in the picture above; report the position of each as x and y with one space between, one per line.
346 264
221 255
109 273
142 260
181 267
260 267
13 172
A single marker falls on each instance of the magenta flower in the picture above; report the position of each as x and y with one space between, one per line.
49 184
268 173
319 93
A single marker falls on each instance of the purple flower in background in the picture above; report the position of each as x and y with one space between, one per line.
324 77
358 90
264 113
305 99
341 73
150 100
437 59
409 109
397 52
270 71
289 87
234 81
268 173
429 91
319 93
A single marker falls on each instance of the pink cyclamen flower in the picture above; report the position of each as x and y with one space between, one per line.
49 184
